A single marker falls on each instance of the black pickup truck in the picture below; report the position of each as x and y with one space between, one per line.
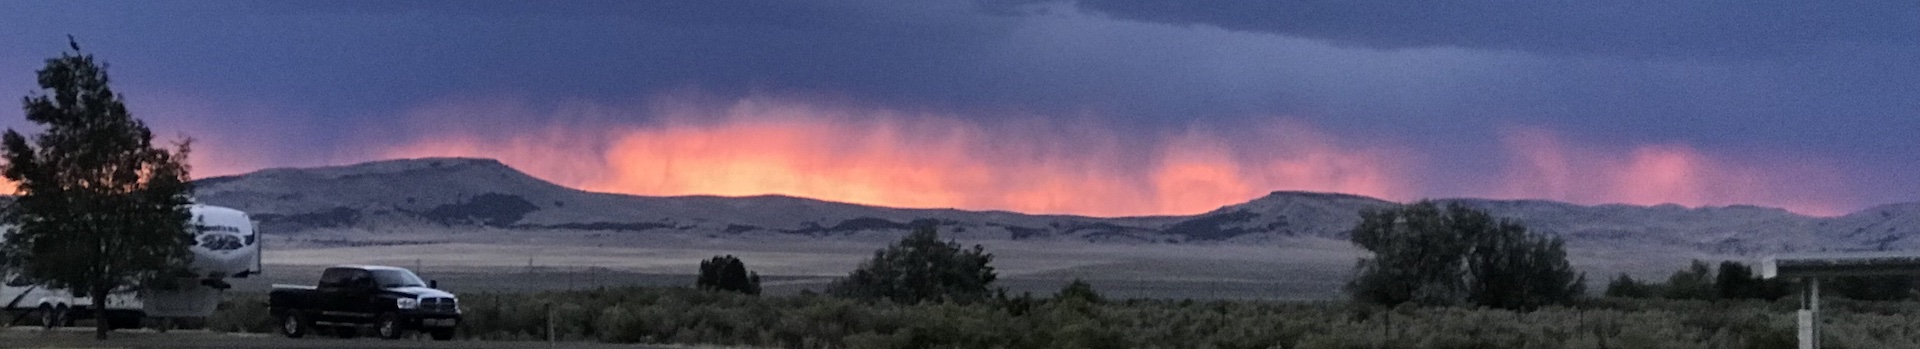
390 300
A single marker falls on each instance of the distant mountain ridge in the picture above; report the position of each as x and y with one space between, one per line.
464 193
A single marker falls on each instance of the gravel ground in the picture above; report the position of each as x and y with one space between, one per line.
32 337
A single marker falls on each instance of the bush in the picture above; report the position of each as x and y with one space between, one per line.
921 268
726 273
1424 255
1626 287
620 326
1079 290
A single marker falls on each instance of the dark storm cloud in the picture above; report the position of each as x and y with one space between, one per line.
1823 79
1652 28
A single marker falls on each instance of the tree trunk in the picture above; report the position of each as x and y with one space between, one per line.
100 313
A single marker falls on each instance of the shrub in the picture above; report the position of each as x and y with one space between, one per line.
726 273
921 268
1424 255
1079 290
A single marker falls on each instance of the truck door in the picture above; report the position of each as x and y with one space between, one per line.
327 295
358 298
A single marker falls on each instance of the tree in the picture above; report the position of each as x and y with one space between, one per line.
1511 269
1696 282
921 268
1462 255
99 207
1080 290
1417 257
726 273
1626 287
1736 281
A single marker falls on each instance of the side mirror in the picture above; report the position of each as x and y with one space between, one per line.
434 284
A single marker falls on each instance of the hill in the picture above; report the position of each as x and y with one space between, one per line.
454 194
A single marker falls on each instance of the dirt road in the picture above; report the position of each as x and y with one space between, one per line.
29 337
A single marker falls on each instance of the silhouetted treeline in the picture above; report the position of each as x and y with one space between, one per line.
1734 280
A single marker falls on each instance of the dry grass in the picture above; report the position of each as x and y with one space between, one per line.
1307 268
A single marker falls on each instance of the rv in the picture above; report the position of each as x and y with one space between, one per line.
226 246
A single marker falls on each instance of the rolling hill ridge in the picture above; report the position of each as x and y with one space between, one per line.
453 194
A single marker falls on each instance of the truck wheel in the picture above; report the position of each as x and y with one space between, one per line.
294 324
389 326
442 334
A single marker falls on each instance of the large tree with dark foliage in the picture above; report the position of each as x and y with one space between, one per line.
921 268
726 273
99 206
1430 256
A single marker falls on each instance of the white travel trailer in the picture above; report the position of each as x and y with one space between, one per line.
226 245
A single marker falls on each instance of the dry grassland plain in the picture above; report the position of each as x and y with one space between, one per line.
1285 269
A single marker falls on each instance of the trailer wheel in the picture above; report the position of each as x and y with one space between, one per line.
66 315
294 324
49 317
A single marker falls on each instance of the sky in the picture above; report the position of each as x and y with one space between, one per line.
1091 107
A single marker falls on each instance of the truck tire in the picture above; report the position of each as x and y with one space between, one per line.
294 324
389 326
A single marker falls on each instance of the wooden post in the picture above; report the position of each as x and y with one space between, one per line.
550 339
1809 316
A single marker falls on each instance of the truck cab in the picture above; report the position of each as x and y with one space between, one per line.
391 300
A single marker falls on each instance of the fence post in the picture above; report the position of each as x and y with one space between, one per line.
550 335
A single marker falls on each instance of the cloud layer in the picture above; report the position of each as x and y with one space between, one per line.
1807 105
761 146
878 156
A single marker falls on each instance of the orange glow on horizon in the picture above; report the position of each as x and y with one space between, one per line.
885 158
1540 165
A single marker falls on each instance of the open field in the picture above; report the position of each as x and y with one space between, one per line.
30 337
1307 268
691 317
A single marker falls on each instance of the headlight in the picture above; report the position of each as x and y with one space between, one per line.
406 303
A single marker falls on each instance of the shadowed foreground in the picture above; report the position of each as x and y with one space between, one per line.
31 337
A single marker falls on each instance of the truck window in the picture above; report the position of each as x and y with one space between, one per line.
397 278
359 278
335 277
